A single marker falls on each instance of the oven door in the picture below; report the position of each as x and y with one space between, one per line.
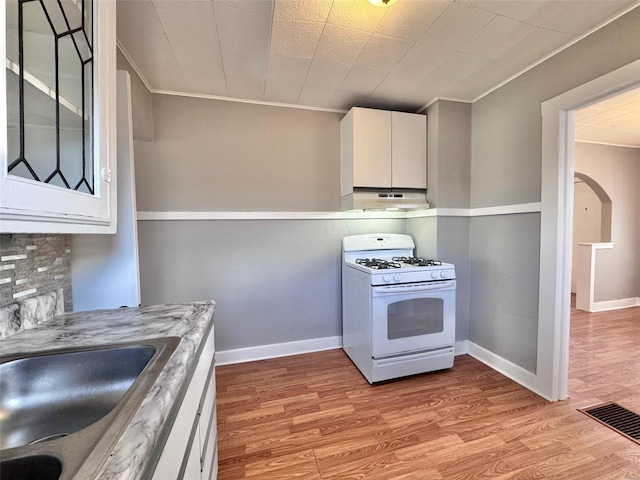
412 317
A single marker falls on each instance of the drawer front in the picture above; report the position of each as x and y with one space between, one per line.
206 413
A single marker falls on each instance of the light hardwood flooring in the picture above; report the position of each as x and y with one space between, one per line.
314 416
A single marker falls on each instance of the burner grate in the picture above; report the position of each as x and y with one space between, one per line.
418 261
377 263
617 418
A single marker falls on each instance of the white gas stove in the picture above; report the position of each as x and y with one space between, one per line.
398 310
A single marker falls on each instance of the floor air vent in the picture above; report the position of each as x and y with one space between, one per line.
618 418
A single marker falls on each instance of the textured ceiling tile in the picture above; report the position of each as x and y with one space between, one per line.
261 7
383 52
206 56
465 91
341 45
346 99
593 115
607 135
458 66
622 137
397 83
193 18
534 46
244 61
625 121
628 102
497 37
296 39
240 86
456 26
162 76
491 74
584 115
327 73
244 41
422 59
356 14
410 19
363 79
206 82
282 92
429 88
136 15
242 28
309 10
533 12
147 46
579 16
287 69
316 95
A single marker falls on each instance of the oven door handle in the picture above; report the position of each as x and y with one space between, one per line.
407 288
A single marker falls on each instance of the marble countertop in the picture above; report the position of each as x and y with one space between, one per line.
190 322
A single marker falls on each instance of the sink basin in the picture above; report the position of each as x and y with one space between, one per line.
42 467
63 411
49 396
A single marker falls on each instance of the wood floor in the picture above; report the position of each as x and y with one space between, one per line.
315 417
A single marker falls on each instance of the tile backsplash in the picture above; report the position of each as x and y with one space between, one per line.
33 264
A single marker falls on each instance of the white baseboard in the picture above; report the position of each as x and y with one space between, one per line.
509 369
615 304
461 347
263 352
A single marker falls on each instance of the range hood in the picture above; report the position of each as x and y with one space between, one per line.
384 199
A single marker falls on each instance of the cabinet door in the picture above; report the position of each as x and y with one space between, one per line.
409 150
57 125
371 148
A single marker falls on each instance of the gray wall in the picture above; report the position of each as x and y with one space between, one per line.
587 222
449 154
505 256
274 281
453 247
506 169
449 177
140 101
217 155
617 171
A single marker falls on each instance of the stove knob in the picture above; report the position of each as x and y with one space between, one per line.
443 274
386 278
396 277
434 275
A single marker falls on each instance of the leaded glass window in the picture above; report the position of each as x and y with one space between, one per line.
50 110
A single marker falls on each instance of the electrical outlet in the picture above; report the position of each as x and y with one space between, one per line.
619 295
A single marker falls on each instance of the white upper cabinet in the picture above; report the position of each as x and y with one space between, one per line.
383 149
408 150
57 117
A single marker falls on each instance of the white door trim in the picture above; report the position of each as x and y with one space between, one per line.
556 223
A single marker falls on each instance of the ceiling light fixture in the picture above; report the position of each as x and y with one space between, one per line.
382 3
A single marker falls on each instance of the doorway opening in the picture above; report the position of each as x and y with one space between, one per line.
558 168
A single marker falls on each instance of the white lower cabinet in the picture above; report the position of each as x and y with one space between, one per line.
191 450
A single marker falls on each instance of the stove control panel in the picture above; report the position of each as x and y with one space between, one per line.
438 274
396 277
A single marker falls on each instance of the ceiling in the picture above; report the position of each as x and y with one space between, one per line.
336 54
614 121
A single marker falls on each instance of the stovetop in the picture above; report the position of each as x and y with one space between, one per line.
389 259
397 262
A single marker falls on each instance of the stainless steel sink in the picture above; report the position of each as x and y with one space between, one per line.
72 405
50 396
42 467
